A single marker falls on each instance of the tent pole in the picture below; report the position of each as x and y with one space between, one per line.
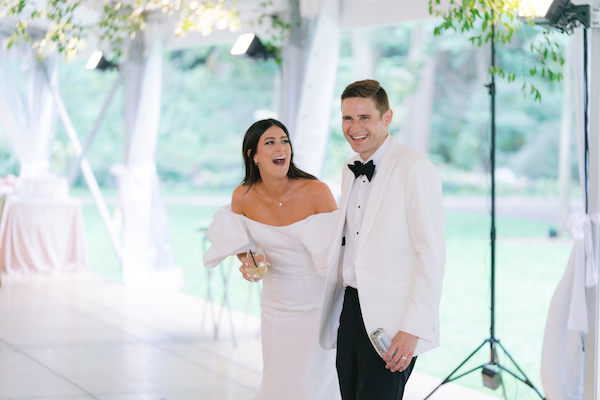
592 374
86 147
86 169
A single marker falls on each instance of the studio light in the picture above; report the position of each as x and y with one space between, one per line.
93 60
560 14
250 45
535 9
97 61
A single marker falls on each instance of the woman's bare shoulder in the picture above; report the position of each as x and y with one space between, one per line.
315 185
239 198
321 196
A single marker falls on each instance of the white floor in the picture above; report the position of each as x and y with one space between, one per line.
80 336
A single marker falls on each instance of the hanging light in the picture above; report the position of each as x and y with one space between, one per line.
250 45
97 61
534 8
94 60
560 14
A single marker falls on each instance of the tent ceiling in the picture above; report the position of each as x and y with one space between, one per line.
87 14
354 13
360 13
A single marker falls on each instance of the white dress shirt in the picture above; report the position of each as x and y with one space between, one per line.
357 201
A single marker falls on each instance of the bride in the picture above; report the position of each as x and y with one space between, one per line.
291 215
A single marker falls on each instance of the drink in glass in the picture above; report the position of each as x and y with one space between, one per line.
257 263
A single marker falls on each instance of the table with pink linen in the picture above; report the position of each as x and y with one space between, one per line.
42 236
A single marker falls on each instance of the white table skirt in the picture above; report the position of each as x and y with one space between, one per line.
42 236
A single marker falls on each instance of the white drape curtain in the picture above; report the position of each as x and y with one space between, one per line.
310 8
148 259
312 128
563 354
28 115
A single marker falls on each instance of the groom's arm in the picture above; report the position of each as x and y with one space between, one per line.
426 222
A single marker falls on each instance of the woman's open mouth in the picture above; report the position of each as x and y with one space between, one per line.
279 161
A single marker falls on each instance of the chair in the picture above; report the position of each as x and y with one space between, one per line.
209 291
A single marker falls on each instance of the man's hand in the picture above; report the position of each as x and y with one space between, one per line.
403 344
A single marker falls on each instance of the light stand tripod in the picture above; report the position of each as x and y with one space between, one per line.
493 368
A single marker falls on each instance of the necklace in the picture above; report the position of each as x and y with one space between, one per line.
286 191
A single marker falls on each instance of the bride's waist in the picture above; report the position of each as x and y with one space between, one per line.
287 272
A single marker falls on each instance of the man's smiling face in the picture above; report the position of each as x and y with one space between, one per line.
364 128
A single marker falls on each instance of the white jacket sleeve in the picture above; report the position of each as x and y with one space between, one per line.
426 223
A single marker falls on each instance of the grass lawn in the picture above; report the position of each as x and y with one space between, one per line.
528 268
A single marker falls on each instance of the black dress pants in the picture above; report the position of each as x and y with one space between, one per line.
361 371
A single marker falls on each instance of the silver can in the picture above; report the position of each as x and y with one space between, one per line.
381 341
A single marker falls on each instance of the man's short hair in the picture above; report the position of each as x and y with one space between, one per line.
369 89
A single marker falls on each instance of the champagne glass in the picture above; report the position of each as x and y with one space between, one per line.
257 263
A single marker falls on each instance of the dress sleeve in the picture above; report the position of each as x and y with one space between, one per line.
228 236
317 237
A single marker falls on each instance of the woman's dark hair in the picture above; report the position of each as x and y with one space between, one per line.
251 139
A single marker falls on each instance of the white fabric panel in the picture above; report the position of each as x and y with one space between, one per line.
289 80
290 86
30 124
148 259
569 372
314 112
562 348
592 358
416 128
364 58
357 13
42 114
310 8
13 114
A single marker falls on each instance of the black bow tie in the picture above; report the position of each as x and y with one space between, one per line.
366 169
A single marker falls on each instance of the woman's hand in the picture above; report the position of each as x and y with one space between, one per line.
245 274
255 274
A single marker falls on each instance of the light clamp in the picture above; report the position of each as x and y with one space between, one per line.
595 18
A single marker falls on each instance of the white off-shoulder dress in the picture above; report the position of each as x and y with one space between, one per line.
295 367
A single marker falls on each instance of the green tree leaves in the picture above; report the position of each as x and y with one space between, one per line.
118 20
497 20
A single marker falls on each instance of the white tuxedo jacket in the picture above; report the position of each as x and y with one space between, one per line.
401 251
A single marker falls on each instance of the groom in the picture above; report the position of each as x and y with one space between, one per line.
388 271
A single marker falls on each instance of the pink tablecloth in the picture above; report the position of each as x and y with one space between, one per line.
42 236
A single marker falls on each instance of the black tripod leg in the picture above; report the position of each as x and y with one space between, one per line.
526 380
449 377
